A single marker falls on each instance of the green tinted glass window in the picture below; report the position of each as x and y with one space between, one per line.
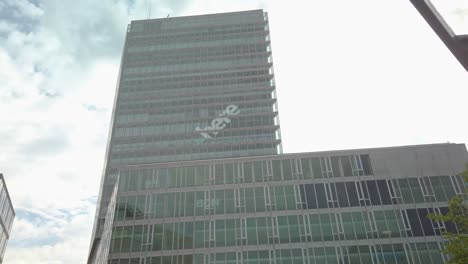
405 191
220 233
250 200
199 234
290 198
168 236
359 225
326 225
230 232
127 238
348 226
251 231
306 169
188 235
189 203
248 172
287 171
259 200
280 198
416 190
277 173
137 238
447 186
157 237
294 229
283 229
315 227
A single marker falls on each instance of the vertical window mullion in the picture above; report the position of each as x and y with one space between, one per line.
211 174
297 197
240 172
243 223
406 222
266 193
456 185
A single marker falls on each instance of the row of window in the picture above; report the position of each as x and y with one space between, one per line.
199 43
198 88
185 33
190 126
180 114
190 54
277 230
203 87
202 111
177 143
379 192
197 101
200 153
218 63
411 253
246 172
168 138
277 198
184 62
191 78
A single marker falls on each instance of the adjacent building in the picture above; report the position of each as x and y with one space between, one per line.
194 170
7 214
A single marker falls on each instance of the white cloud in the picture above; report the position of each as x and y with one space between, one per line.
25 8
59 62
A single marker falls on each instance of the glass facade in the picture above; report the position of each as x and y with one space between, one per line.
192 88
195 173
301 208
7 214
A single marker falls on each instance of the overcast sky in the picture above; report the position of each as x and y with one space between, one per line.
349 74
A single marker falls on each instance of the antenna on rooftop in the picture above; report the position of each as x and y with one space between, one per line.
149 9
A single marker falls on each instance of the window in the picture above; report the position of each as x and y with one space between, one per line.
394 191
326 167
338 230
366 164
310 196
439 226
239 200
239 173
211 175
363 195
458 184
426 189
273 232
304 228
267 170
332 199
371 225
299 194
297 169
356 165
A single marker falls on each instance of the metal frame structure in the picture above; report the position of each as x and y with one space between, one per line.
457 44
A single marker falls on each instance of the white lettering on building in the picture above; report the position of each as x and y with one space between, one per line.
218 123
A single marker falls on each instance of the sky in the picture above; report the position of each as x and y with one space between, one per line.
349 74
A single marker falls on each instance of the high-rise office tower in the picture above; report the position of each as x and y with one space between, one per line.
195 173
7 214
191 88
